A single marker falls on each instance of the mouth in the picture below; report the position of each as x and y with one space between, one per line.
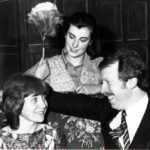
74 50
41 112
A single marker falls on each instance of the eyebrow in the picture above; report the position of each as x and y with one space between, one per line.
80 37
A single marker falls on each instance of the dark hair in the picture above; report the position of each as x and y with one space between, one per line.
84 19
14 91
130 65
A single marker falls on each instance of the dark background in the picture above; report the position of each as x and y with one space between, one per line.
122 23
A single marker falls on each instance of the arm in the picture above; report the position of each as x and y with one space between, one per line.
79 105
32 70
40 70
89 89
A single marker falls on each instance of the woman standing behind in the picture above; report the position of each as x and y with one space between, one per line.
24 106
74 70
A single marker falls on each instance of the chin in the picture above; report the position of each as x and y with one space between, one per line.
74 56
115 107
39 119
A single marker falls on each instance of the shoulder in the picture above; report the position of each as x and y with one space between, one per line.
57 134
54 58
97 60
92 63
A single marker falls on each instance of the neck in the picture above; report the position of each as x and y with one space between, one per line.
77 61
26 126
136 96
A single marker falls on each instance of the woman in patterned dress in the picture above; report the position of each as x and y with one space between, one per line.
74 70
24 106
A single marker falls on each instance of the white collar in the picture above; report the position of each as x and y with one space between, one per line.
134 116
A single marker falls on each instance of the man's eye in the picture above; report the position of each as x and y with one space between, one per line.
34 99
44 98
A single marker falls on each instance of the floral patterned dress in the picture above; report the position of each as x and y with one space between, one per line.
80 132
45 138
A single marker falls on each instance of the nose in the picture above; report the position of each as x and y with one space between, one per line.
75 43
104 88
42 102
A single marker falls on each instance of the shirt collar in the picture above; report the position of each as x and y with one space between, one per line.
86 62
138 109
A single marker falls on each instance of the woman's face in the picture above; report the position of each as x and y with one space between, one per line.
34 108
77 40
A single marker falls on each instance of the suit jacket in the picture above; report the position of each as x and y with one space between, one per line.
99 109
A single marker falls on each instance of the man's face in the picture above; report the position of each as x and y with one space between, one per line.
77 41
114 88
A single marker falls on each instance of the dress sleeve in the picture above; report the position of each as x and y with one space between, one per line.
79 105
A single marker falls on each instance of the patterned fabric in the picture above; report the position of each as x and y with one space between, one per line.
75 128
81 133
60 80
126 139
41 139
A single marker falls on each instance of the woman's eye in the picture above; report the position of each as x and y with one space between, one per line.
71 36
83 40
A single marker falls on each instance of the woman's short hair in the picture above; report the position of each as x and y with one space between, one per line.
15 90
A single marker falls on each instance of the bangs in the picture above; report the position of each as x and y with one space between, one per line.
36 88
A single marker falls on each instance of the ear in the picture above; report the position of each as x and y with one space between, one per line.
131 83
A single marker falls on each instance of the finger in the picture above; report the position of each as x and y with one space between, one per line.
78 88
41 61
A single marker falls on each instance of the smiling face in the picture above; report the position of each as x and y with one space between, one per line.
34 108
114 88
77 41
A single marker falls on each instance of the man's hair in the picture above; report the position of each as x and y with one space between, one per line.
130 65
15 90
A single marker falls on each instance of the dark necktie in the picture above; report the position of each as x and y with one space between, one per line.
121 130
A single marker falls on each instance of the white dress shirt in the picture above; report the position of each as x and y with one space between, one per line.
133 118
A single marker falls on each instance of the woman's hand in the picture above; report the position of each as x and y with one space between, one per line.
88 89
42 70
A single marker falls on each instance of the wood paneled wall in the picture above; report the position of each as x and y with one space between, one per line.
9 40
122 23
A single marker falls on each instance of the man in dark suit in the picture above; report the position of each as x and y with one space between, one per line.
125 113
